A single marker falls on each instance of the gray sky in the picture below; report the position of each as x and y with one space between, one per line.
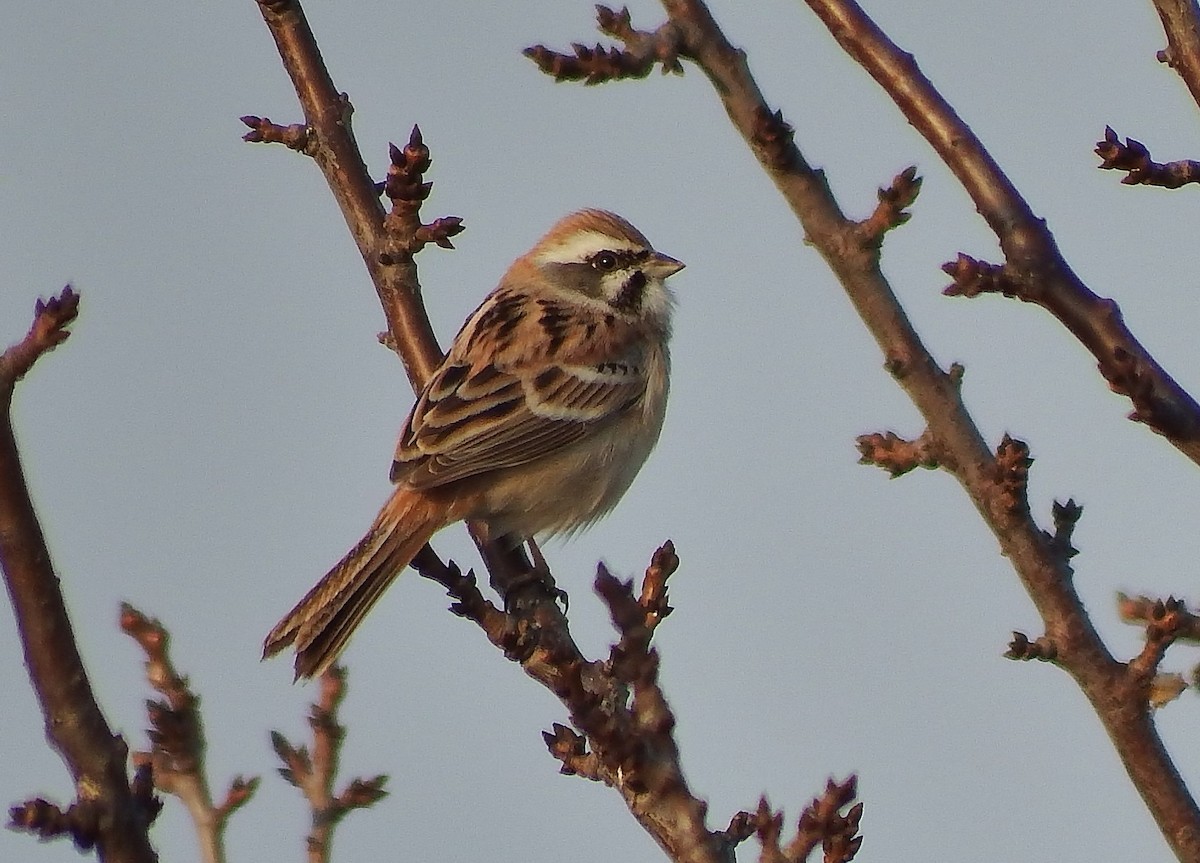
218 429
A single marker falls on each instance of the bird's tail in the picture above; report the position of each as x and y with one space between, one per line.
321 624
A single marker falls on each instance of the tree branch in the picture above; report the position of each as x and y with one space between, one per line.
1034 265
107 813
623 727
387 241
1181 23
1143 611
176 756
330 142
995 483
314 774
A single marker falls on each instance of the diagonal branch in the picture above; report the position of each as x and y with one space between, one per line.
1118 697
1181 23
107 814
1033 260
330 142
622 727
387 241
995 483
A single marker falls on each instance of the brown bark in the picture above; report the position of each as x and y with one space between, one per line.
106 814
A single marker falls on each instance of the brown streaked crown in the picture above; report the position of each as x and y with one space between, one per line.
599 221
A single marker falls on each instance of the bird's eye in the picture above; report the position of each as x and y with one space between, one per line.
604 261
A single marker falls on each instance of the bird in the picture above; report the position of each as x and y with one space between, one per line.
552 396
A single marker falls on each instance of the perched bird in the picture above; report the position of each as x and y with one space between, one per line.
549 402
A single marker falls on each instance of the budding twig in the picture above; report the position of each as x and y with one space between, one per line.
176 756
596 65
895 454
892 210
314 774
1133 158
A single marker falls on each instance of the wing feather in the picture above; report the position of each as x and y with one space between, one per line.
507 394
471 422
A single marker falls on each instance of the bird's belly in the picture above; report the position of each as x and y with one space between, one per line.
569 490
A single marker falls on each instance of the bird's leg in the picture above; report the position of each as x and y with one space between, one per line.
541 569
519 574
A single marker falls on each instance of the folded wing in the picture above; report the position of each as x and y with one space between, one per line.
474 419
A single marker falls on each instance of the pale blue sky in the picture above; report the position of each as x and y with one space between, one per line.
218 429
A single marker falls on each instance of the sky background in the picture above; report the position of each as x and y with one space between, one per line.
218 429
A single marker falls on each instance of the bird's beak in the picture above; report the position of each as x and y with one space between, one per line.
660 266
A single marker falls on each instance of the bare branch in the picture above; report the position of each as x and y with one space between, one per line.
631 737
822 825
176 756
623 727
79 823
1012 476
1141 610
315 774
1165 621
107 814
1181 23
329 140
1066 516
1021 648
405 186
263 131
1167 618
1119 697
892 210
653 599
1133 158
643 50
1032 257
973 277
238 795
49 330
995 483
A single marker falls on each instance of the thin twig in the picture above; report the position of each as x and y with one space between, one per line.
1141 610
1033 263
1181 23
1133 158
315 774
995 483
176 756
627 727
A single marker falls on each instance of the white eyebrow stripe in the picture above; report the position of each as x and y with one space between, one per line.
577 248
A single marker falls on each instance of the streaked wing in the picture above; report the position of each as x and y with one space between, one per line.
474 419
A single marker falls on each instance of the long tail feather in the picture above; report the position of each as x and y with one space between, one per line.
321 624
